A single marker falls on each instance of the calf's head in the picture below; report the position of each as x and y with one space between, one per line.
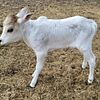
13 26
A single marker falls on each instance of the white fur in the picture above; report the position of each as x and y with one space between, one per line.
44 34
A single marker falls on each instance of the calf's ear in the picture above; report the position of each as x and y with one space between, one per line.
24 11
28 16
24 19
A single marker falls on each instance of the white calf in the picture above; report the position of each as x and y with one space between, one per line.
45 34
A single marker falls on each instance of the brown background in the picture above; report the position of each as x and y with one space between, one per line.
62 77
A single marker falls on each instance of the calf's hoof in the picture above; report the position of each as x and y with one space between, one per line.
90 81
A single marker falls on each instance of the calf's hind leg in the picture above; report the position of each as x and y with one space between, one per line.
84 64
90 58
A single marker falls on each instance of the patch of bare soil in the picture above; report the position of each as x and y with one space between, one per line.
62 77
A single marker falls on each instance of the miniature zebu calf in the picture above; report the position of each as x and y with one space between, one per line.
43 35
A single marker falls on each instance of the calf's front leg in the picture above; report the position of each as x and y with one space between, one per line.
39 66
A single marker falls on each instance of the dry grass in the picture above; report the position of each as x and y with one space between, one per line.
62 77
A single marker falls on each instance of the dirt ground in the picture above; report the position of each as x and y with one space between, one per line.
62 77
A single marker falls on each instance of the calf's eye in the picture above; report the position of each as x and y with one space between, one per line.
10 30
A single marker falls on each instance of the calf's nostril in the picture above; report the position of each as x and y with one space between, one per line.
0 41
